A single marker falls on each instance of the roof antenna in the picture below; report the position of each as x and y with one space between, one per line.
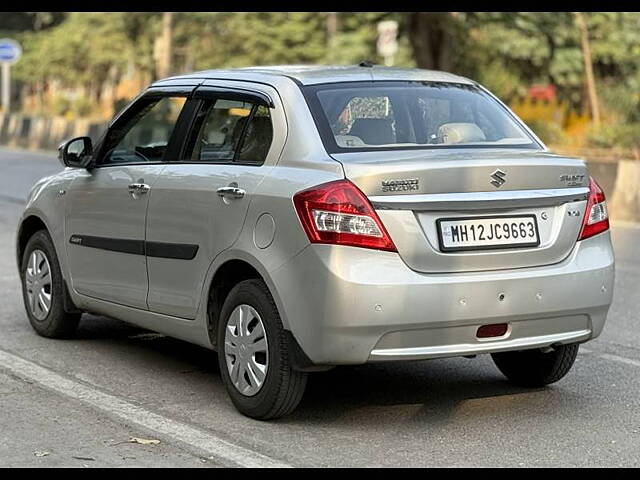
365 63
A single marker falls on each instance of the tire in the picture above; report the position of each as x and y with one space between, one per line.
534 368
51 322
282 387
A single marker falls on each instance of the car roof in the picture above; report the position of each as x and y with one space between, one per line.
316 74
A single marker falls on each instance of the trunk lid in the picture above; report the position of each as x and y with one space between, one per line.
412 190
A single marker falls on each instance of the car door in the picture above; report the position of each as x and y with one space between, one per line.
107 204
199 204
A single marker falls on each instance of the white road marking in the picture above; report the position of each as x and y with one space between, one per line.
226 452
617 358
612 357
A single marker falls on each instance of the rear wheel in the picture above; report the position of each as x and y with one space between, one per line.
536 368
43 291
253 355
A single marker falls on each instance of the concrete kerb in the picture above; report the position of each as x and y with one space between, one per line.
625 201
43 133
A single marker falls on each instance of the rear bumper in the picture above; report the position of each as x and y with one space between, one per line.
348 305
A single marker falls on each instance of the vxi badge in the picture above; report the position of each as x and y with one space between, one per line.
499 177
400 185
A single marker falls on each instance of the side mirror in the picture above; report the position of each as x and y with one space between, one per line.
76 153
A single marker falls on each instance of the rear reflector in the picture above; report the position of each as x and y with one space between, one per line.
493 330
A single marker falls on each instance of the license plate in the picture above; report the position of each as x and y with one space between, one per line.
486 233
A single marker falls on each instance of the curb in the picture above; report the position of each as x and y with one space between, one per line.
44 133
625 201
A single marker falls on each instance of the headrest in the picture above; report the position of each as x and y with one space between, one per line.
349 141
450 133
373 131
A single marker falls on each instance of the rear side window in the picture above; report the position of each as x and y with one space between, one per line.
227 131
405 115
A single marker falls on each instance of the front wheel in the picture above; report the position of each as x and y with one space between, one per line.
536 368
253 355
43 291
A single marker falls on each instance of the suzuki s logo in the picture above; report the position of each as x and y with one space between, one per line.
498 178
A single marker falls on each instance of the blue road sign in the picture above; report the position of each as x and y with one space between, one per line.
10 50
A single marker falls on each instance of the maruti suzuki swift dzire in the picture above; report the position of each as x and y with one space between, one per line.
297 218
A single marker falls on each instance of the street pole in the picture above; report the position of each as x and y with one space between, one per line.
6 87
10 52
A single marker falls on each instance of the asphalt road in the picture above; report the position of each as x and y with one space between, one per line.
78 402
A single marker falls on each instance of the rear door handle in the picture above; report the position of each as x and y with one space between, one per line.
230 192
138 188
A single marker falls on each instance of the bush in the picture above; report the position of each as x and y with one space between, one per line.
549 132
619 135
60 105
82 107
622 99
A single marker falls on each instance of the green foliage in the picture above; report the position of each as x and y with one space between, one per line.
215 40
503 83
11 22
539 47
616 136
86 48
550 133
64 105
622 99
60 105
505 51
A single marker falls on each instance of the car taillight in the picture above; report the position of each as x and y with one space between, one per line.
339 213
596 218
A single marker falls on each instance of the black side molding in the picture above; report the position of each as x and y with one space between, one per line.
135 247
179 251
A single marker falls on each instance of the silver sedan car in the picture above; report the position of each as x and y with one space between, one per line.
297 218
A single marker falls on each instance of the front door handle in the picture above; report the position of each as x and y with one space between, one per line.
138 189
230 192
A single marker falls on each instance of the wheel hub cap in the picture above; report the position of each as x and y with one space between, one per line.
38 284
246 351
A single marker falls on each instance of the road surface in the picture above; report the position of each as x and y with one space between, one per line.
79 402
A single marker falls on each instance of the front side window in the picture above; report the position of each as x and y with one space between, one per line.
400 115
145 135
231 131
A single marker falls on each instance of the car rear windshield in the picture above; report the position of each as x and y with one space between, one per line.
367 116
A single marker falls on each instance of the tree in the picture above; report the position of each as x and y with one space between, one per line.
588 68
164 47
83 52
436 39
29 21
